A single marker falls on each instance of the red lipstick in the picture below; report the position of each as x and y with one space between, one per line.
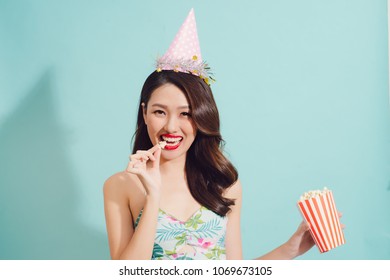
171 145
171 136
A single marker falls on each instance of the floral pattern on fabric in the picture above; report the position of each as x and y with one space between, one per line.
201 237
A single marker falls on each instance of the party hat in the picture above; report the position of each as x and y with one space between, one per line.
183 55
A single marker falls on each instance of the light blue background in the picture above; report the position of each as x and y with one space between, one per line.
302 89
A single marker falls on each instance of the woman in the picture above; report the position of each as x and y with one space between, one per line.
180 200
183 201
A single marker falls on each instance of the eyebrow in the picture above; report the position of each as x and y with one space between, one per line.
165 107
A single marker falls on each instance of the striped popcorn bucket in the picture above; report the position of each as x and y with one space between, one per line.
321 215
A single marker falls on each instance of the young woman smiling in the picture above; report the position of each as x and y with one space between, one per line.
183 201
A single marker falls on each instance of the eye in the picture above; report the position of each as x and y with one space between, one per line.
159 113
186 114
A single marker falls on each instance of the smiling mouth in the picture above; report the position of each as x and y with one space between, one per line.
172 142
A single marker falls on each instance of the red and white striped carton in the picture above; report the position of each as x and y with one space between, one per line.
320 213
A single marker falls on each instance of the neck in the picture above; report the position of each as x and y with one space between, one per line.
172 168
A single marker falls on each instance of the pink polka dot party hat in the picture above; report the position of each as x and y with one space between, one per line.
184 55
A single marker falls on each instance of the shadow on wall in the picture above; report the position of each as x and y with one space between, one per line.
39 194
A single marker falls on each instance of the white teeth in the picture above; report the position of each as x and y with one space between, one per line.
171 139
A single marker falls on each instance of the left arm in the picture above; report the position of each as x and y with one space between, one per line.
299 243
233 231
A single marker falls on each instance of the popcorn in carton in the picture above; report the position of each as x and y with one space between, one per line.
319 211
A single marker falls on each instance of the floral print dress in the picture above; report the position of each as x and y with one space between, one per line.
201 237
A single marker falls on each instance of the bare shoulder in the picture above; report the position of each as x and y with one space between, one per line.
234 191
121 184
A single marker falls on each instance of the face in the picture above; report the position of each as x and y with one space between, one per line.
168 118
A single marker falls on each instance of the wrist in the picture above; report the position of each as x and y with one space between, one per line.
152 189
289 250
153 198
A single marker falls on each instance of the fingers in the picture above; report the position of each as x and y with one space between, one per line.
150 153
133 167
140 158
303 226
136 163
157 155
146 154
340 215
154 148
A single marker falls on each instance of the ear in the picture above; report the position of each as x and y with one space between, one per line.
144 111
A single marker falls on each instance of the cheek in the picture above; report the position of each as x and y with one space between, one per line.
190 128
154 124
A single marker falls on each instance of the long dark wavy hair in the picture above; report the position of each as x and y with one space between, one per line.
208 172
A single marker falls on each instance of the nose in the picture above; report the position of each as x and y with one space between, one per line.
172 124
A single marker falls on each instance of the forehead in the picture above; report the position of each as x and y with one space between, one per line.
168 94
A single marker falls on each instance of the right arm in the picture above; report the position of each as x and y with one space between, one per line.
124 241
